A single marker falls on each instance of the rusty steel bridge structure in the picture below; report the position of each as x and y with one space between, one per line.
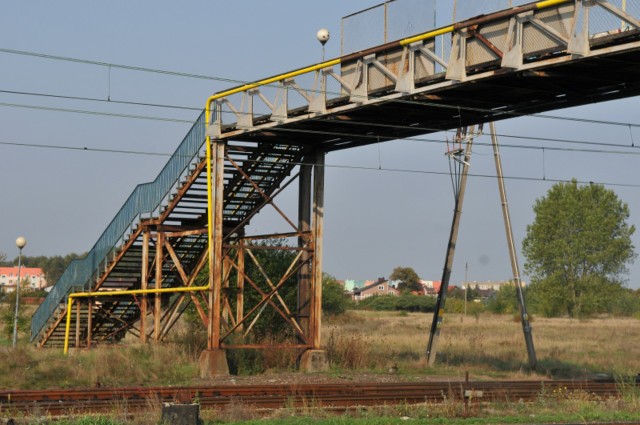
253 141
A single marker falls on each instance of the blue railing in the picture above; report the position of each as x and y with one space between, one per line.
146 198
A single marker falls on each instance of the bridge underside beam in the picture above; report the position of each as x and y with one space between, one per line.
491 98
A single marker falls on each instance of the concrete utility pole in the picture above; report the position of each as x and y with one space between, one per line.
526 326
438 315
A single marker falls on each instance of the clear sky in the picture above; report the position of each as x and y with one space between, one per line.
61 200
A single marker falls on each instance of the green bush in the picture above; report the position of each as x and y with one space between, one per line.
404 302
334 299
504 301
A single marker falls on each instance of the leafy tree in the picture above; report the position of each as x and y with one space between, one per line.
409 280
274 260
504 301
379 303
7 315
577 249
411 302
404 302
455 292
334 299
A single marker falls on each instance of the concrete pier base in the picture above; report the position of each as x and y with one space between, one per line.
180 414
213 363
314 361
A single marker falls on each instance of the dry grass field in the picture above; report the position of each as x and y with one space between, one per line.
361 343
491 345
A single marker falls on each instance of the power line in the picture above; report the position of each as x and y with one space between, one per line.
242 82
86 112
119 66
512 136
347 167
96 99
355 123
371 136
84 149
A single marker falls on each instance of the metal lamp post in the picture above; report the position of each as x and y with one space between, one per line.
20 243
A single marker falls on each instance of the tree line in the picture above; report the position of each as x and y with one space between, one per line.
577 251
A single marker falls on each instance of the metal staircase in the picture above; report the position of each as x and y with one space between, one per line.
185 209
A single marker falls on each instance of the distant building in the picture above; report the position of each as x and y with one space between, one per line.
351 285
430 287
31 278
380 287
488 288
492 285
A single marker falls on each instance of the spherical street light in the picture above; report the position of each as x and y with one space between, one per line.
323 36
21 242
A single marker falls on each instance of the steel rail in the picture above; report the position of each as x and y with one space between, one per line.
333 396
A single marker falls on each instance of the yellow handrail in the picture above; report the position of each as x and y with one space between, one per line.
426 35
403 42
117 293
549 3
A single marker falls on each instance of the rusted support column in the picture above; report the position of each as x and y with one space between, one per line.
157 307
215 269
240 284
89 321
144 284
213 361
318 230
226 275
315 360
78 313
304 225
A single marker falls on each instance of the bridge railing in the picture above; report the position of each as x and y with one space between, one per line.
513 39
146 199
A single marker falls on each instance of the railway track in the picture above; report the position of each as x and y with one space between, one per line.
333 396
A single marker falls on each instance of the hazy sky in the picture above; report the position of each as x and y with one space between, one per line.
61 200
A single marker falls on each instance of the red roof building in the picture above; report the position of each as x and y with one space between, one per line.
31 278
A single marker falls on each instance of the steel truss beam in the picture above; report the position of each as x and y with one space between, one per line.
504 45
236 252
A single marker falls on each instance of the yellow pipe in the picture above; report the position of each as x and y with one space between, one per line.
273 79
139 291
549 3
406 41
430 34
116 293
68 325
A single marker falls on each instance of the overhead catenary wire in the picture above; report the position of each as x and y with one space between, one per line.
119 66
244 82
336 166
379 138
87 112
350 122
179 74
